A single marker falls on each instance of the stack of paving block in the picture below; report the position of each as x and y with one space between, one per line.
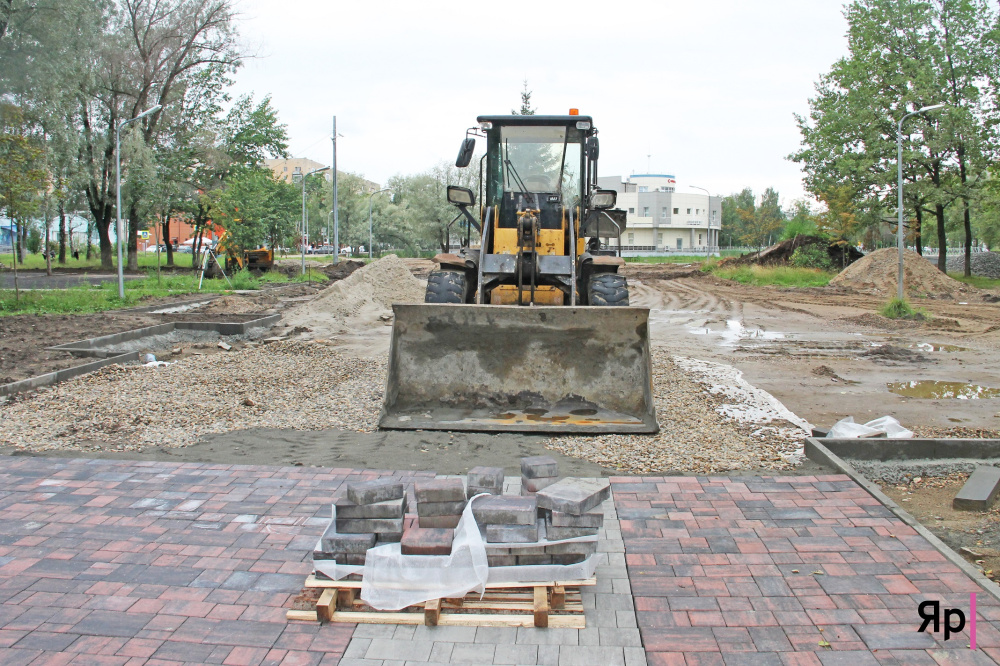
537 472
427 541
507 519
571 509
440 502
369 513
487 480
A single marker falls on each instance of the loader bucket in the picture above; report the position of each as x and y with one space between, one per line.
519 369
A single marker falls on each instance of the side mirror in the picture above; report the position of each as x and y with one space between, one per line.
465 152
593 147
603 199
461 196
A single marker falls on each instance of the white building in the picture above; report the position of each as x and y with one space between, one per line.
662 220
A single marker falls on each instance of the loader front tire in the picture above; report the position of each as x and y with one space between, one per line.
607 289
445 287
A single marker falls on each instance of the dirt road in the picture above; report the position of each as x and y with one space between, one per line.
816 349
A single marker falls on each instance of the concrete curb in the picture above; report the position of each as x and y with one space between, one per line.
89 348
62 375
818 452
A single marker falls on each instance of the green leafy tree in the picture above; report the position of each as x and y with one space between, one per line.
255 209
22 173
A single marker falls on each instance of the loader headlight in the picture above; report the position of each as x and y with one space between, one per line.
582 125
603 199
485 125
460 196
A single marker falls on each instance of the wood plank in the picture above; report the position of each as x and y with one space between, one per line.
375 617
301 616
432 611
558 596
541 610
347 597
313 581
327 604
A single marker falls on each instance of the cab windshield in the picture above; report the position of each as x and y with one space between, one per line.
541 159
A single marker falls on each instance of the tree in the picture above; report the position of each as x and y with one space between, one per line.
22 176
526 109
255 209
801 220
761 222
839 222
733 226
904 55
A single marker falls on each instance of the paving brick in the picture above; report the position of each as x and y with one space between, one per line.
472 491
512 533
575 496
427 541
589 519
439 490
395 508
440 508
369 525
485 477
333 541
534 485
371 492
553 533
505 510
449 522
572 548
980 490
537 467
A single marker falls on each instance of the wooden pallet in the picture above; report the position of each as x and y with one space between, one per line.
544 604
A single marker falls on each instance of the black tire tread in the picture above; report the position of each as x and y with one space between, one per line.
445 287
607 289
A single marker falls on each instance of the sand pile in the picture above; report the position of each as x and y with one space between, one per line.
359 300
877 273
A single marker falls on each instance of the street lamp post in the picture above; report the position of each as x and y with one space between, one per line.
118 186
899 189
305 233
386 189
708 217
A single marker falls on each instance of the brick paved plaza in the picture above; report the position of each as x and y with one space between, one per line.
120 562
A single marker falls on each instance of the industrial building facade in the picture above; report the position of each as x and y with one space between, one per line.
661 220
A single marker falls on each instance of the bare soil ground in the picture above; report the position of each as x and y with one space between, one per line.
807 347
974 534
24 339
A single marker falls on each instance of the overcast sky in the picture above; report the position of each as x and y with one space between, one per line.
702 90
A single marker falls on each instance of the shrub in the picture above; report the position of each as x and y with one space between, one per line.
812 256
899 308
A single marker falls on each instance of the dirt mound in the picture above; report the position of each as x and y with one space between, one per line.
781 253
877 273
240 304
890 353
363 298
342 269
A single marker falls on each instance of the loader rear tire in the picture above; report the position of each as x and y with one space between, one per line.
445 287
607 289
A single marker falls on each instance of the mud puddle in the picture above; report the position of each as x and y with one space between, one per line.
932 389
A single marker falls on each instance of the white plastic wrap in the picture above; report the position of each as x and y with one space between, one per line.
393 581
847 428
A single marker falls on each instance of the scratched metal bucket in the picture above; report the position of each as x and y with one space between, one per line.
520 369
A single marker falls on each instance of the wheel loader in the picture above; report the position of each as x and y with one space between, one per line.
531 331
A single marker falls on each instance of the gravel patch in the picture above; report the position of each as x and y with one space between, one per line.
896 472
299 385
700 432
983 264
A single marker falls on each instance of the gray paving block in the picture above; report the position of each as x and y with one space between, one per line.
620 637
554 533
388 509
449 634
515 654
531 560
501 560
568 558
439 490
370 492
450 522
534 485
473 653
556 636
334 541
512 533
362 525
980 491
591 655
572 548
505 510
593 518
486 477
536 467
440 508
504 635
339 558
575 496
472 491
390 648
